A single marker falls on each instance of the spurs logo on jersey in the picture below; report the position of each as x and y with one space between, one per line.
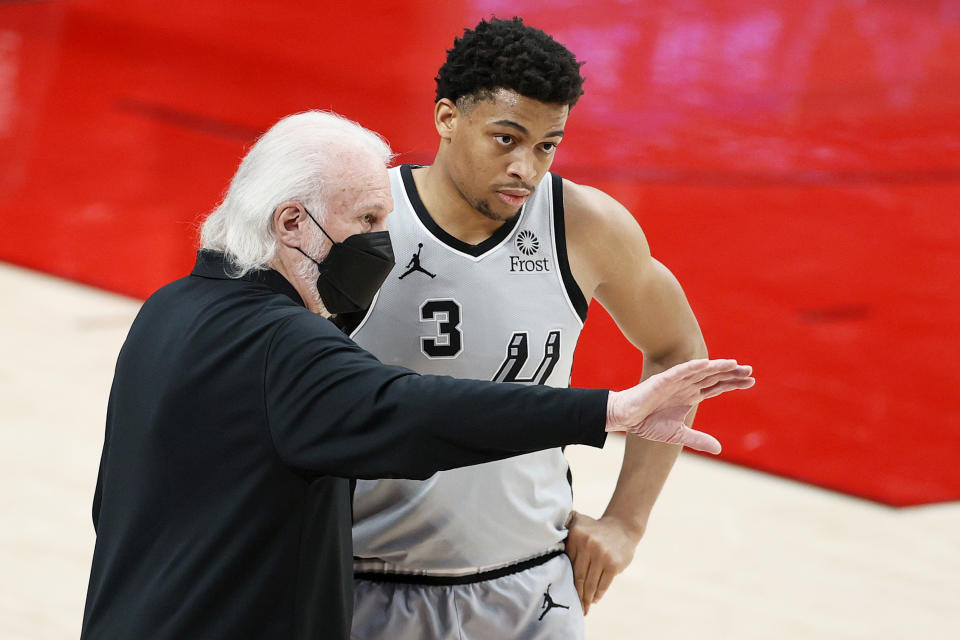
528 245
469 317
517 352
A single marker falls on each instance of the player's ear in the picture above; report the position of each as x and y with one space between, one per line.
445 116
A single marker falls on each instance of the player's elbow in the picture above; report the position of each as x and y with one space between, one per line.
691 347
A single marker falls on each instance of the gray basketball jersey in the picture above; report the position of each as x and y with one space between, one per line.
508 310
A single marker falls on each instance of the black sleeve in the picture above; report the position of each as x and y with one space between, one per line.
333 408
104 455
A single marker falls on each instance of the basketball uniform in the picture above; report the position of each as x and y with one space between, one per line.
509 310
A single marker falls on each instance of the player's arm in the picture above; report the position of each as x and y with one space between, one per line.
611 261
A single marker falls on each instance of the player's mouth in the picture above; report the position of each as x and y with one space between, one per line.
513 198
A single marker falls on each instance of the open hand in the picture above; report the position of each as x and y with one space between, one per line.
655 408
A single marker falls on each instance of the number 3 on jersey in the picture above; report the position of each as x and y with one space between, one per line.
448 341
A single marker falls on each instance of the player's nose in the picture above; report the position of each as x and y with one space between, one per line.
521 166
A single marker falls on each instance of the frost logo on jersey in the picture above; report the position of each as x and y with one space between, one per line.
414 264
527 242
528 245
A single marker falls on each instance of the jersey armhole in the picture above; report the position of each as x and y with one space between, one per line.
574 293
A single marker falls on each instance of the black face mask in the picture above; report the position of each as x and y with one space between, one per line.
353 271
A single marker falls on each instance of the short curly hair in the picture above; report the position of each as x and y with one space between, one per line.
507 54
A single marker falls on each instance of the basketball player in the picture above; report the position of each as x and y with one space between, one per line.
504 258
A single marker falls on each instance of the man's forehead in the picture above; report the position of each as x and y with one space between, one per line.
376 200
505 104
361 185
358 170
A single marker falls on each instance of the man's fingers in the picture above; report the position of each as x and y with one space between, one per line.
696 372
727 385
605 580
740 372
591 583
581 563
689 368
699 441
727 370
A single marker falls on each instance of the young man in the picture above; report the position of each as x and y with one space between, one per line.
507 257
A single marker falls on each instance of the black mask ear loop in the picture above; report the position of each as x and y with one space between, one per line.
311 259
307 257
321 229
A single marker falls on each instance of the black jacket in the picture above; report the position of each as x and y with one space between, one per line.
236 422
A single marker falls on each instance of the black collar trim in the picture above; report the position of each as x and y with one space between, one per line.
475 250
214 264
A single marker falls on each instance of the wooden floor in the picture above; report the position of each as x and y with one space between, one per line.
730 554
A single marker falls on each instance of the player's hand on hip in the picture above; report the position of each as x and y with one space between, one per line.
598 550
655 408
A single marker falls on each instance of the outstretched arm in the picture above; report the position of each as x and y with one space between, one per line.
334 409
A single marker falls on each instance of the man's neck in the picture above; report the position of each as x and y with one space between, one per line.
448 208
285 265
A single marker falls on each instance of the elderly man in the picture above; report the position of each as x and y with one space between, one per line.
239 414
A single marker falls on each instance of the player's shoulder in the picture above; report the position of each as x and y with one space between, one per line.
588 208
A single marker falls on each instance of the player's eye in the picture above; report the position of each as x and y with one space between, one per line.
548 147
505 140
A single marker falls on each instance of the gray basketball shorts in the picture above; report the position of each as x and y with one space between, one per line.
537 603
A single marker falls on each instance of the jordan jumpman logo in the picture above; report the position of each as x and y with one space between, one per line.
414 264
548 604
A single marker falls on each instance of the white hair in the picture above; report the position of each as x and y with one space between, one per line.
291 161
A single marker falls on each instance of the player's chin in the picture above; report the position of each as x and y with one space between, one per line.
502 213
508 212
